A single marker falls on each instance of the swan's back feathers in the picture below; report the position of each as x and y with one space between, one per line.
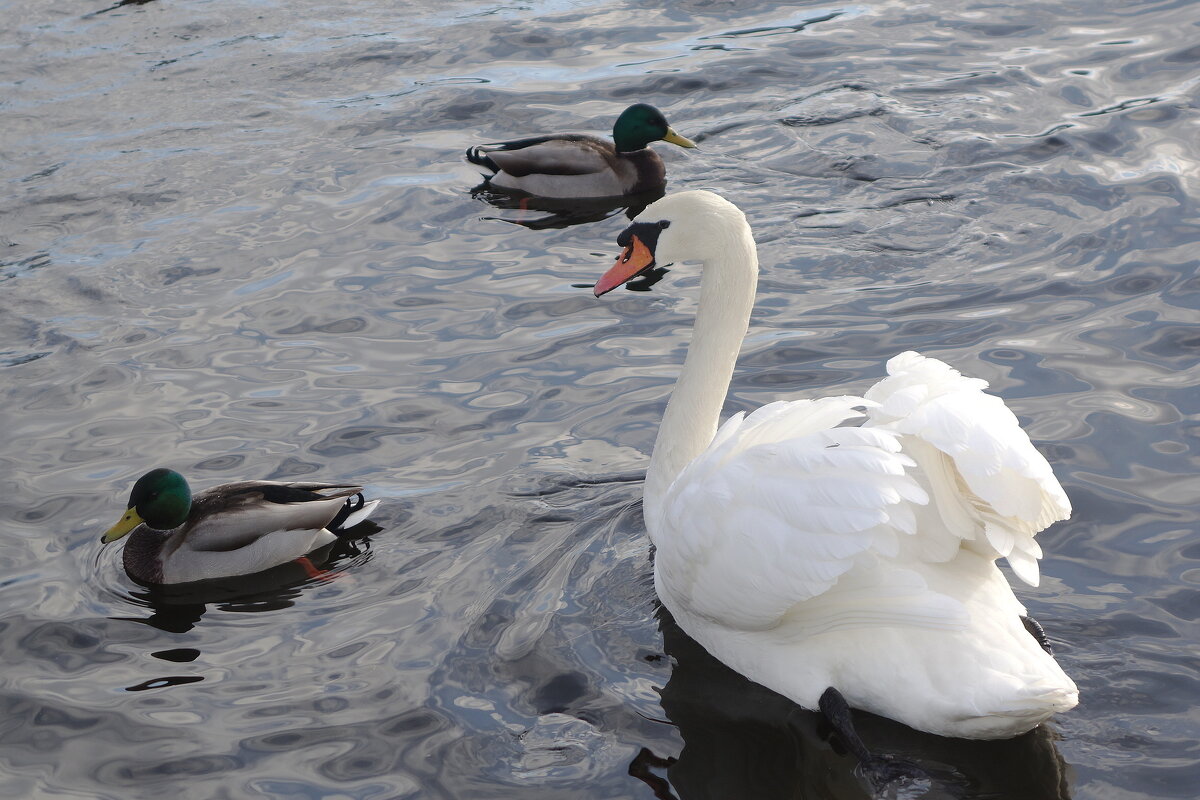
984 473
779 508
785 501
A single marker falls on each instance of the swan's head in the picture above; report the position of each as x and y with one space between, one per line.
686 226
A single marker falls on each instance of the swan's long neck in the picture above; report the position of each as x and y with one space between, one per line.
727 287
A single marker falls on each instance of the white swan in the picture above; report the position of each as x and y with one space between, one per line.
810 556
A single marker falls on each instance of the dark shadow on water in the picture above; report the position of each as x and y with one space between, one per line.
743 740
115 6
164 682
178 608
550 484
541 213
642 283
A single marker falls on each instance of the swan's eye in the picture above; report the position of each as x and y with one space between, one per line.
664 224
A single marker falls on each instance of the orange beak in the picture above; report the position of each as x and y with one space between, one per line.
633 260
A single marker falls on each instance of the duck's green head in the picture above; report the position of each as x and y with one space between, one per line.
640 124
160 498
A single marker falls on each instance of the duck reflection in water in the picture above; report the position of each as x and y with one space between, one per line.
741 740
541 213
177 608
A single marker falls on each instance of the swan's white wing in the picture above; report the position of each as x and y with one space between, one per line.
984 474
780 506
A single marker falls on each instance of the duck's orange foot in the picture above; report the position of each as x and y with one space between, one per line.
313 571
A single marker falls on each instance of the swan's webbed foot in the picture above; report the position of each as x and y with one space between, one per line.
880 771
1037 632
837 712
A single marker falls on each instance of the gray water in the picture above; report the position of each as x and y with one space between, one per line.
238 238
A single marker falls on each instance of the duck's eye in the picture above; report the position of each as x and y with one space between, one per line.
664 224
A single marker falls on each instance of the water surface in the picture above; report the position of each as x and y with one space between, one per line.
238 238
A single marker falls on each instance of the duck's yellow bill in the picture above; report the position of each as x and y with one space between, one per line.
675 138
127 523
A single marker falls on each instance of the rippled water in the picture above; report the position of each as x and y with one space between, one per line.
238 238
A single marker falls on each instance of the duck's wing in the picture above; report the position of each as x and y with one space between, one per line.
570 154
779 507
991 487
234 515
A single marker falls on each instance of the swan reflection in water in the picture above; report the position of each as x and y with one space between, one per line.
742 740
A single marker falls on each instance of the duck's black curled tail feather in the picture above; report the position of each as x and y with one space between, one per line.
477 155
352 520
352 504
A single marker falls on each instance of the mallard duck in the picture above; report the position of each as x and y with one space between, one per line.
845 565
232 529
576 165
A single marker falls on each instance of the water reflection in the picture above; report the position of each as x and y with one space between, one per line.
178 608
117 5
743 740
642 283
557 212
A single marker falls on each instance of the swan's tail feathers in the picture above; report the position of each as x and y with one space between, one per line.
1024 711
478 155
1037 705
1052 699
351 517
